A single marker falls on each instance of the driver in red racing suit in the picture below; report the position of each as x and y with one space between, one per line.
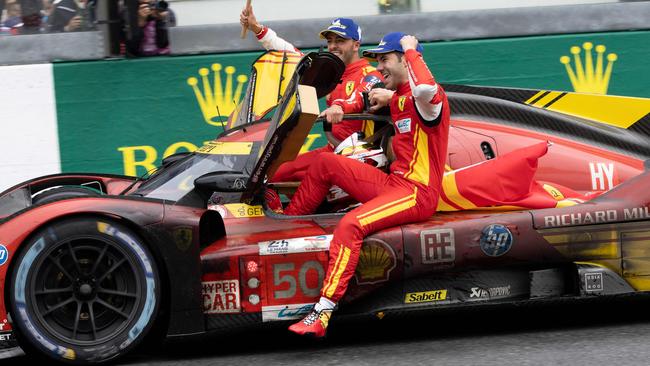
408 194
343 39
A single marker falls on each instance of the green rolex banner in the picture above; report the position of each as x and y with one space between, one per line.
124 116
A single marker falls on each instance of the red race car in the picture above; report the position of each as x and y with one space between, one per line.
91 264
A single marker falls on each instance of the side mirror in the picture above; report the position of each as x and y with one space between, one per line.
221 182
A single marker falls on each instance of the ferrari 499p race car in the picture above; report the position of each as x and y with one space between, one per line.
91 264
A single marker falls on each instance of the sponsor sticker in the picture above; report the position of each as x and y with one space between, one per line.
4 325
285 312
602 176
4 254
220 297
597 217
241 210
496 240
403 125
492 292
4 337
438 246
296 245
581 218
593 282
376 261
426 296
226 148
371 79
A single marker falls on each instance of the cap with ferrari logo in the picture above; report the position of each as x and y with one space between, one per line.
390 43
343 27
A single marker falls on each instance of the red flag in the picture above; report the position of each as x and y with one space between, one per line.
506 182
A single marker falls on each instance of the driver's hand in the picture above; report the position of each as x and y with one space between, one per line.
248 20
379 98
333 114
408 42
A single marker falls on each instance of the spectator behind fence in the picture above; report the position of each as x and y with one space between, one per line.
148 35
14 19
31 16
72 16
45 14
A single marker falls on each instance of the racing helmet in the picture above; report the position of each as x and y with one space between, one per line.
354 147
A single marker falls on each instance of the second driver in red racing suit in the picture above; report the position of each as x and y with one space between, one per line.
343 37
409 193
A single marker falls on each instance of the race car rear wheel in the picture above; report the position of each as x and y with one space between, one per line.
84 291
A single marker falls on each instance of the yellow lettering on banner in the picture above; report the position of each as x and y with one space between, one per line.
311 138
130 162
173 148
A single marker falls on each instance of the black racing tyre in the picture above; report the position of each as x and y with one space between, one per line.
84 291
63 192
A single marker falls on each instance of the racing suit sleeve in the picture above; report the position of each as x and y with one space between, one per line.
354 104
426 91
270 40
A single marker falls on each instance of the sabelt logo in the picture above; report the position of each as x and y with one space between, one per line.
426 296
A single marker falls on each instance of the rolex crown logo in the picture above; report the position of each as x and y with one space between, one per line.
215 99
589 77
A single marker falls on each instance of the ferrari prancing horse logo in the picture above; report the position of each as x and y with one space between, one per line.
349 87
400 103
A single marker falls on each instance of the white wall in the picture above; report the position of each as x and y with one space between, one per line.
196 12
29 144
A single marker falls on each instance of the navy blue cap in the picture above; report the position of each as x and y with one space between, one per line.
390 43
343 27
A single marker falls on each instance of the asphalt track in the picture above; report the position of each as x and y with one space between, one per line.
587 333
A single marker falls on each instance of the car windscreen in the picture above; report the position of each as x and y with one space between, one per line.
270 75
175 181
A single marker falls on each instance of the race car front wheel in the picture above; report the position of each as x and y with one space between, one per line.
84 291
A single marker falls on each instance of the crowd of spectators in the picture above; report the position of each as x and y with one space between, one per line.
145 29
143 23
45 16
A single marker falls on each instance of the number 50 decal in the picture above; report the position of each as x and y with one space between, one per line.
285 273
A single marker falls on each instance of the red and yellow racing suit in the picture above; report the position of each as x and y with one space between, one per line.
358 76
409 193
